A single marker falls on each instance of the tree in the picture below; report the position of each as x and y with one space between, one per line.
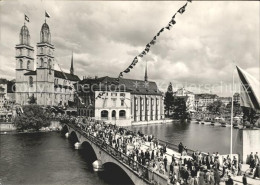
236 108
168 100
32 99
217 107
33 117
180 110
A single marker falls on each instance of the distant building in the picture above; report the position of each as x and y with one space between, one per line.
7 99
236 98
48 86
203 100
131 101
188 96
225 100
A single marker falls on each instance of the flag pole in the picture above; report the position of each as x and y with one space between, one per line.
231 121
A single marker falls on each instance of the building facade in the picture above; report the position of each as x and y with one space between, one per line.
128 102
203 100
188 96
7 99
48 86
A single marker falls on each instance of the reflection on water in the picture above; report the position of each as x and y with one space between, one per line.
205 138
45 158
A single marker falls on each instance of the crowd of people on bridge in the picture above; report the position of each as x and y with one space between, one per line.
145 150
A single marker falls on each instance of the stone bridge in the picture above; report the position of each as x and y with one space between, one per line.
101 154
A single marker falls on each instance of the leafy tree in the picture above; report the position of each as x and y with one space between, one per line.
180 110
33 117
32 99
168 100
236 108
217 107
249 115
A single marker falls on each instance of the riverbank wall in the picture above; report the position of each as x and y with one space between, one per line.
9 127
151 122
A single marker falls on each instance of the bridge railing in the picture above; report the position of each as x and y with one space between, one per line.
142 171
174 146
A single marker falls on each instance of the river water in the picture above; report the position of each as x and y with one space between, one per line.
49 158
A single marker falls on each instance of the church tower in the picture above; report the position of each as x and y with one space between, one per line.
24 63
145 73
45 67
71 67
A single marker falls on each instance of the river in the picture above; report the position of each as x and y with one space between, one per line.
49 158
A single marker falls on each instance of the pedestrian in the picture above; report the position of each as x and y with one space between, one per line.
165 163
229 181
171 167
216 176
244 179
257 171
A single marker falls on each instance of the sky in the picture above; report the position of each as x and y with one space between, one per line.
199 52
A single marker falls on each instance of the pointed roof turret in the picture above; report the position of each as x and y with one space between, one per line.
71 67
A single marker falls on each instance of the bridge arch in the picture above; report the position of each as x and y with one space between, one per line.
73 137
113 173
64 130
88 152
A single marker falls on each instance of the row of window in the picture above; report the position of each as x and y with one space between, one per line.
104 114
21 64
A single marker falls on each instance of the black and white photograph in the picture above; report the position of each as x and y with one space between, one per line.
129 92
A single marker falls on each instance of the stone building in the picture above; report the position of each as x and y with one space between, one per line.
129 102
47 85
188 96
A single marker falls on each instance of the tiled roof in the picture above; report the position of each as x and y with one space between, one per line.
134 86
30 73
69 76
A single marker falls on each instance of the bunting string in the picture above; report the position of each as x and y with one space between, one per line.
153 41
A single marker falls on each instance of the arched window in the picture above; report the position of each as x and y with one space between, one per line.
28 64
41 50
41 60
122 113
104 114
31 81
113 114
21 64
49 66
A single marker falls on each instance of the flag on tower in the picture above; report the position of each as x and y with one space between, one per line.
26 18
47 15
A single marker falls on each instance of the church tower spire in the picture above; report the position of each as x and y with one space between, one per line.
145 75
71 67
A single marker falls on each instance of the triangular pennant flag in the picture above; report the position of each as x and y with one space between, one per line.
189 1
152 42
143 53
140 55
146 49
173 17
173 22
161 30
182 9
127 70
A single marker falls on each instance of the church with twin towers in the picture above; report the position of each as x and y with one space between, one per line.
36 76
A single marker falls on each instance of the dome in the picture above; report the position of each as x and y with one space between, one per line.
45 33
24 35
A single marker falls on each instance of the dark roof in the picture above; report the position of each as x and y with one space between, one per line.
134 86
3 81
69 76
206 95
30 73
